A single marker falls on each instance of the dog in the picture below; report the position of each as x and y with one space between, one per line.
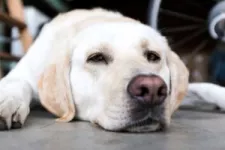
99 66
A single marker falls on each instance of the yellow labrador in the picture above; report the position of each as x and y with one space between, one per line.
99 66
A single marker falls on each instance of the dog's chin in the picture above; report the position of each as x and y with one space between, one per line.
136 120
147 125
144 125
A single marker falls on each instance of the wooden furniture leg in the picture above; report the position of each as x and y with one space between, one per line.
16 11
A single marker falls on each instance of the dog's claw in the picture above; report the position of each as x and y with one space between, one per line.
16 125
14 104
3 125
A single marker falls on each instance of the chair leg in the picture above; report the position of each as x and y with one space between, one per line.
16 10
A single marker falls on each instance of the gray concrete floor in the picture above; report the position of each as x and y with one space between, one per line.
190 130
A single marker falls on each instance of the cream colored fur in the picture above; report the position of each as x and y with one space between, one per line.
55 70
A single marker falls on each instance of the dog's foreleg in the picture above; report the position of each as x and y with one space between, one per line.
205 93
19 86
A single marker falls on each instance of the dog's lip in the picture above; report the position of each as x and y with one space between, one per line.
146 125
143 122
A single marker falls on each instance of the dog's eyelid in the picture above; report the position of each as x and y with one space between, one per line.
98 57
152 56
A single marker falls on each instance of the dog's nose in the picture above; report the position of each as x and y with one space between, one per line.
149 90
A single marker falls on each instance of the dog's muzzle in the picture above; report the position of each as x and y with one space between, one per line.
147 94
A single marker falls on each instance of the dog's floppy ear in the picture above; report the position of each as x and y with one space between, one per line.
179 78
54 86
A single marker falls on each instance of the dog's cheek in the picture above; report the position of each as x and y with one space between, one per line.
167 111
83 91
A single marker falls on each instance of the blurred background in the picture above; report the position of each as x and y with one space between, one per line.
195 29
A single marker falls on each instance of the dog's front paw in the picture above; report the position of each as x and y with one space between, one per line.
14 105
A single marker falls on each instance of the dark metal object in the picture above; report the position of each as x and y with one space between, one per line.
183 22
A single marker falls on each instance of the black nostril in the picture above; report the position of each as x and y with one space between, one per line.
162 91
144 91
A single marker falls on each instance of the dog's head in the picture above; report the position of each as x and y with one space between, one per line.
120 75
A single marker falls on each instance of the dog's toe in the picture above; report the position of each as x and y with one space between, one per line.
16 125
3 125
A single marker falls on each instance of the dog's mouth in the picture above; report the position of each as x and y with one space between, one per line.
153 120
146 125
134 120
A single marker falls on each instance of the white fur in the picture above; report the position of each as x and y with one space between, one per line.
205 93
99 85
99 90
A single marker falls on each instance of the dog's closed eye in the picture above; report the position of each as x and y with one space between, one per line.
152 56
98 58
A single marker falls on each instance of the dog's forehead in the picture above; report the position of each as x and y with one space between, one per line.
120 33
122 37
